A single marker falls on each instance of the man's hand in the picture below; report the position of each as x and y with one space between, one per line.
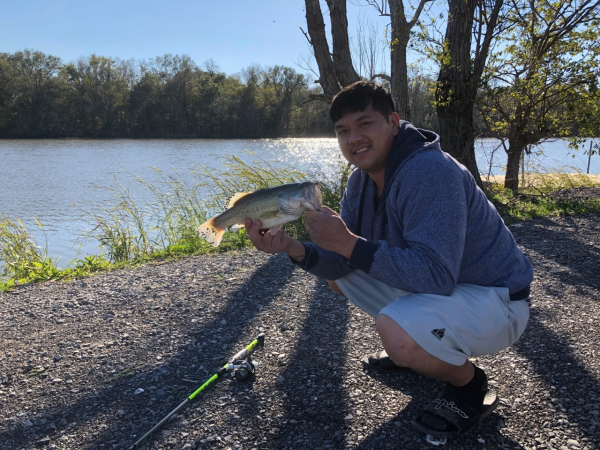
328 230
269 243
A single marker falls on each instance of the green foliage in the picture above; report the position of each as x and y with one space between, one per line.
168 96
23 259
536 200
90 264
542 80
7 286
128 229
163 226
422 101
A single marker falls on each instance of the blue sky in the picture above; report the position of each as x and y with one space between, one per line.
234 33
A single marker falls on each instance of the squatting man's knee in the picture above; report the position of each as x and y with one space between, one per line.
404 351
334 287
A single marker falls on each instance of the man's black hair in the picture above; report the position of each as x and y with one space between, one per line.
358 96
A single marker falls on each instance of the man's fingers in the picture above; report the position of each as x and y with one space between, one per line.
312 215
255 230
328 211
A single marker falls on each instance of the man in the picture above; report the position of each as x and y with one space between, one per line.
418 246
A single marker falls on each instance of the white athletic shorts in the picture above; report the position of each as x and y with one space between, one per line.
472 321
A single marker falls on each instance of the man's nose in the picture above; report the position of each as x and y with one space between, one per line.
355 136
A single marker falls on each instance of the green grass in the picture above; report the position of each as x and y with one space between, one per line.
535 201
163 228
24 260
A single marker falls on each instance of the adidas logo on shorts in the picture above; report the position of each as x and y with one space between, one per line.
439 333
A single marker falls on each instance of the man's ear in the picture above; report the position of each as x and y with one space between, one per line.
395 121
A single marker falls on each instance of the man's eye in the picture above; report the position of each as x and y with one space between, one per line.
341 132
365 124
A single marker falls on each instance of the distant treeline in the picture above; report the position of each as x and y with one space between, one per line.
168 96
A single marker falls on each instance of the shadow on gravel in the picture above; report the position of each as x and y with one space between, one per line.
399 433
575 267
574 390
210 344
410 439
312 385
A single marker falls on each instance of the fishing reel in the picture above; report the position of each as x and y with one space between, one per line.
243 370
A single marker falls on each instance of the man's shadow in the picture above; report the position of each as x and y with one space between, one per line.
210 342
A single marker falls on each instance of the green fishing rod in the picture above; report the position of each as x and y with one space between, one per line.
240 365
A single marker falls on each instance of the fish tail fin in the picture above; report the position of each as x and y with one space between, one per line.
211 232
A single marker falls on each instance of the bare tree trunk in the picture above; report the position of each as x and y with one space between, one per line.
342 60
400 37
455 93
318 41
337 69
515 150
518 140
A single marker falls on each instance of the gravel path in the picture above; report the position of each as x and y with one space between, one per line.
73 355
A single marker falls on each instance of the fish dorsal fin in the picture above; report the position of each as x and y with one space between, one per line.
234 199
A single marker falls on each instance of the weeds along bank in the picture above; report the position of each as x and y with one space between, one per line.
165 226
131 233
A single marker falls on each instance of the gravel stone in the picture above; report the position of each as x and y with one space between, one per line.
310 390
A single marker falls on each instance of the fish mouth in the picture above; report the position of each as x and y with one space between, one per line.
318 197
312 197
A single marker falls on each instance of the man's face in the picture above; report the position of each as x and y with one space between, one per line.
365 139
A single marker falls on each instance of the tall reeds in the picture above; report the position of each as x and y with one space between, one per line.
158 217
23 260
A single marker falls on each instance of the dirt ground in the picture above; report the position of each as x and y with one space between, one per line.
95 363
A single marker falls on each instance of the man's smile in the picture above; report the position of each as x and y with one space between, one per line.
362 149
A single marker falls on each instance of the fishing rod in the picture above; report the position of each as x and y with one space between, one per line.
240 365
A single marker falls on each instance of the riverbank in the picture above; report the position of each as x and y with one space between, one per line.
100 175
541 179
73 355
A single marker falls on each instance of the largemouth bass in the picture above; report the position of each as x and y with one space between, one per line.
273 207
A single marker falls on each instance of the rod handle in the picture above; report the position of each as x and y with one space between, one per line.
243 354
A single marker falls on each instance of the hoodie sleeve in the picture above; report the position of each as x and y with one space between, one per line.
431 208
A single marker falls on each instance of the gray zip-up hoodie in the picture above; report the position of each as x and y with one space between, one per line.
431 228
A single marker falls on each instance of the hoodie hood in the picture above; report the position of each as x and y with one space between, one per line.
409 141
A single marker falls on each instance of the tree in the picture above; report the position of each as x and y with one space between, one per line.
31 89
543 81
99 89
317 38
368 50
166 96
336 69
422 101
463 54
401 29
286 83
144 108
175 74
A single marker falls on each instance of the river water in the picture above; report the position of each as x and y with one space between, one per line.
44 179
